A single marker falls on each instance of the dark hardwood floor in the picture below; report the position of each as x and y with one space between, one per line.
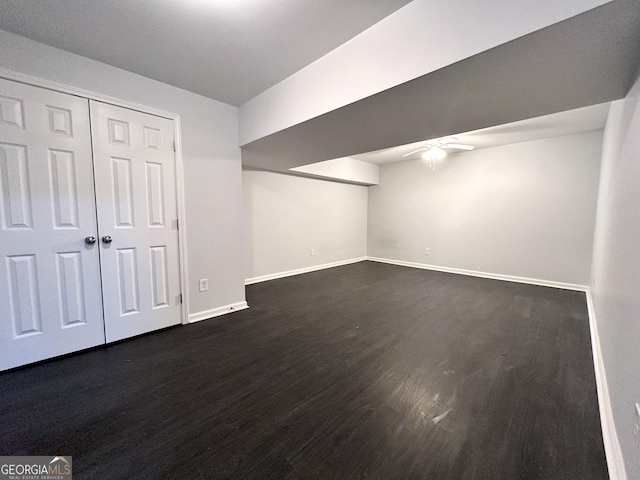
362 371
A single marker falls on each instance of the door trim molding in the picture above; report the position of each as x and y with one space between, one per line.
177 135
80 92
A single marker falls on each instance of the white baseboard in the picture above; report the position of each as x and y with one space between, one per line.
216 312
493 276
273 276
612 449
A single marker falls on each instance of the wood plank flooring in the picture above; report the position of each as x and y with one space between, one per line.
362 371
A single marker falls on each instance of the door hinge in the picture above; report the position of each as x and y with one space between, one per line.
174 146
177 224
180 299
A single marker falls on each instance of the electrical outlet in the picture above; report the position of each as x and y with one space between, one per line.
313 252
426 251
203 284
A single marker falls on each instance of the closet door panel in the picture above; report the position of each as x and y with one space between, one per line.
50 297
137 210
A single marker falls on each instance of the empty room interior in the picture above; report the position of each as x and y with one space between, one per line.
296 239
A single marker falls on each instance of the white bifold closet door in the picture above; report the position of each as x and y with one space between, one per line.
135 179
88 224
50 298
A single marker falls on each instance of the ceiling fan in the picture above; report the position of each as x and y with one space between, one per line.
437 149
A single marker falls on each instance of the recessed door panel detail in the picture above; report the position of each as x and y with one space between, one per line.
71 288
50 285
11 112
152 138
128 281
16 195
25 301
60 121
136 202
123 192
118 132
155 194
87 196
63 188
159 276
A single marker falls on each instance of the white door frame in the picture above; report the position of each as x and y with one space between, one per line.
79 92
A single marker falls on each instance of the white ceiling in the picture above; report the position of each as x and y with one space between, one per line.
229 50
555 125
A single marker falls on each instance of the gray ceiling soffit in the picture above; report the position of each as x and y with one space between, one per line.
588 59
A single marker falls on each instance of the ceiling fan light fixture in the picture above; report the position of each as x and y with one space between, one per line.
434 153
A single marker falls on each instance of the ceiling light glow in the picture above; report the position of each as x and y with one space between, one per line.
434 153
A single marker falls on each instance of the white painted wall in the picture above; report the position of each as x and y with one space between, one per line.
286 216
211 159
524 210
420 38
615 281
346 168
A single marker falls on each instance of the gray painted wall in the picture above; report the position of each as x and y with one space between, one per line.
212 164
525 210
615 281
286 216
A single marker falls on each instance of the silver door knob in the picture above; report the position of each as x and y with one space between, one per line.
107 239
90 240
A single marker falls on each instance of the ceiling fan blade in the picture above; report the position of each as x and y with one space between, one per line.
416 151
458 146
